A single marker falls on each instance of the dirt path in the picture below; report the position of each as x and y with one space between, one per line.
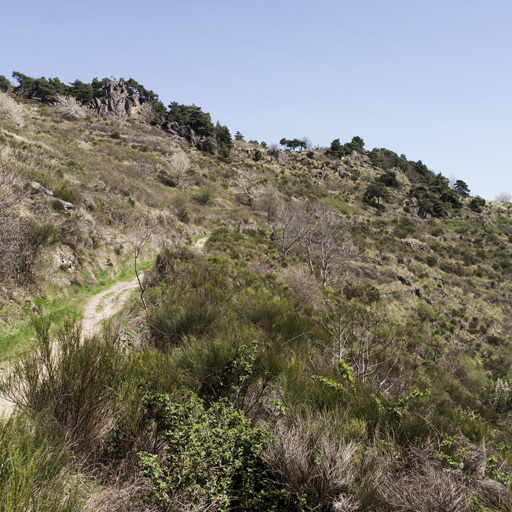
199 245
104 305
98 308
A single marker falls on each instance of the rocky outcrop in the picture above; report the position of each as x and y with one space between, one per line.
65 259
187 133
415 245
119 102
37 188
280 156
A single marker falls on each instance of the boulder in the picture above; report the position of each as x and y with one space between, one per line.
37 188
415 245
280 156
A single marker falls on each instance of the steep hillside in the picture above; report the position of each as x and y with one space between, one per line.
344 329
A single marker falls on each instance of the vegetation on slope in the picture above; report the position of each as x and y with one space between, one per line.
344 333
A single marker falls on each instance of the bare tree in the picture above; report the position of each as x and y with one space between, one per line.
271 203
138 231
11 110
71 107
371 348
374 351
325 238
179 166
336 323
291 227
249 186
307 142
504 197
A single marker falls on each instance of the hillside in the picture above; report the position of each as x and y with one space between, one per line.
341 342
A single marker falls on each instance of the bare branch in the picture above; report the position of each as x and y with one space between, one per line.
138 231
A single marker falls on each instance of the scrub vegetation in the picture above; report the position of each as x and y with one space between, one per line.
339 343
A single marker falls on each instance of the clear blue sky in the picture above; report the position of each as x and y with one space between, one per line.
430 79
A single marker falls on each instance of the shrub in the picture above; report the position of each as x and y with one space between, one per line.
11 110
233 366
212 458
501 395
180 314
21 244
416 481
206 195
477 204
72 381
71 107
66 194
34 474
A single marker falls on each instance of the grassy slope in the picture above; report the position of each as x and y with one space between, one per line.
454 306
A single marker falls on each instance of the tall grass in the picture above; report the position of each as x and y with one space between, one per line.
74 383
36 470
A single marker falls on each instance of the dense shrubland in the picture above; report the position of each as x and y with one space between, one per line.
244 400
344 332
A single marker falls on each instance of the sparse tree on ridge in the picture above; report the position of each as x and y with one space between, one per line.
461 188
505 197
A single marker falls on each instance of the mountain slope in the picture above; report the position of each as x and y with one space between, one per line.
349 303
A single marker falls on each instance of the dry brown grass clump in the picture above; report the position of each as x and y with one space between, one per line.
320 467
417 482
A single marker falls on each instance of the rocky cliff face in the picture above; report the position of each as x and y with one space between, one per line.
118 102
186 132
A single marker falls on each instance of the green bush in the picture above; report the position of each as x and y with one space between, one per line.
74 382
206 195
179 314
212 457
233 366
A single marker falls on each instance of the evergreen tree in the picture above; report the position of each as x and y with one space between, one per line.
461 188
375 192
5 85
224 140
193 116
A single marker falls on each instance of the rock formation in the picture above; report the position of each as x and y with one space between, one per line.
119 102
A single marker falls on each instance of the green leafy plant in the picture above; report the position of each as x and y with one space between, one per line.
212 457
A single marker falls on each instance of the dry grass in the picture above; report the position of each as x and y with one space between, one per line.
417 482
320 468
